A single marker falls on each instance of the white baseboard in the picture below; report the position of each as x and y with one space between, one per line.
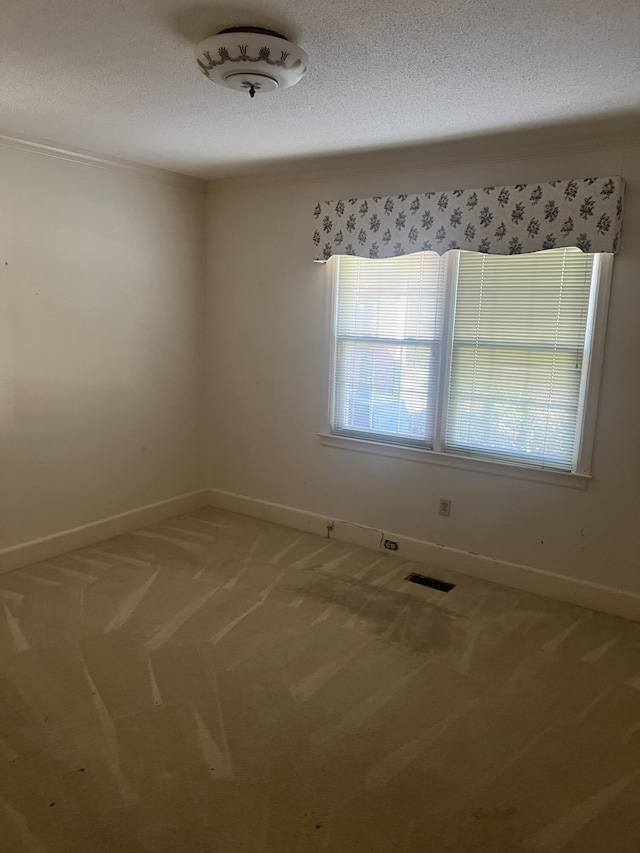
89 534
618 602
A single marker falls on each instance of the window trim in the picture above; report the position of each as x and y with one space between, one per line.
452 264
594 350
456 461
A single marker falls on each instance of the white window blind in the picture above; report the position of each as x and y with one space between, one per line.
517 356
388 329
476 355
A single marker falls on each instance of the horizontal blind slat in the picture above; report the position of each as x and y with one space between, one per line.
518 346
388 328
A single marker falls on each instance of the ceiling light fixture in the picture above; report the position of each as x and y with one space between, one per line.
251 59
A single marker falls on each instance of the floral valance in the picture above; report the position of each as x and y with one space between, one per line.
585 212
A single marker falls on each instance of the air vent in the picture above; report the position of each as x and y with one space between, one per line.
432 583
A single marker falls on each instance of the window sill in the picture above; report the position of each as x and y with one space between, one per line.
450 460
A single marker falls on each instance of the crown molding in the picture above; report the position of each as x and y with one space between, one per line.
523 144
88 158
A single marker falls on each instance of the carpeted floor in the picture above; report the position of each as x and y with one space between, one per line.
218 683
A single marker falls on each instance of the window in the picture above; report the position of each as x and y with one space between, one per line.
486 356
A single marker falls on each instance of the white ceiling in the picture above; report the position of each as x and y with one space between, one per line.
118 77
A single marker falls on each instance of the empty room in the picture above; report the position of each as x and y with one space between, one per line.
319 427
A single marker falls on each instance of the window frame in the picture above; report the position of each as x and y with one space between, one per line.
579 477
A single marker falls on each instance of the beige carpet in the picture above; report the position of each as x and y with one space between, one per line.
218 683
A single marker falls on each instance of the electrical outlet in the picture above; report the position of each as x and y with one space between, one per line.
445 506
390 545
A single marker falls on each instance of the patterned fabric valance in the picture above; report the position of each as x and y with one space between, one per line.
585 212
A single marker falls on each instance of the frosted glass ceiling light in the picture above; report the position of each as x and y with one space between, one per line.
251 60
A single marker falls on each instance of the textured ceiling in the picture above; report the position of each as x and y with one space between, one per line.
118 77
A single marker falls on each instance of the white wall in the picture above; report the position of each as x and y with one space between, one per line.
101 343
267 393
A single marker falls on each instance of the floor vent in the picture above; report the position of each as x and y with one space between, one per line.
432 583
